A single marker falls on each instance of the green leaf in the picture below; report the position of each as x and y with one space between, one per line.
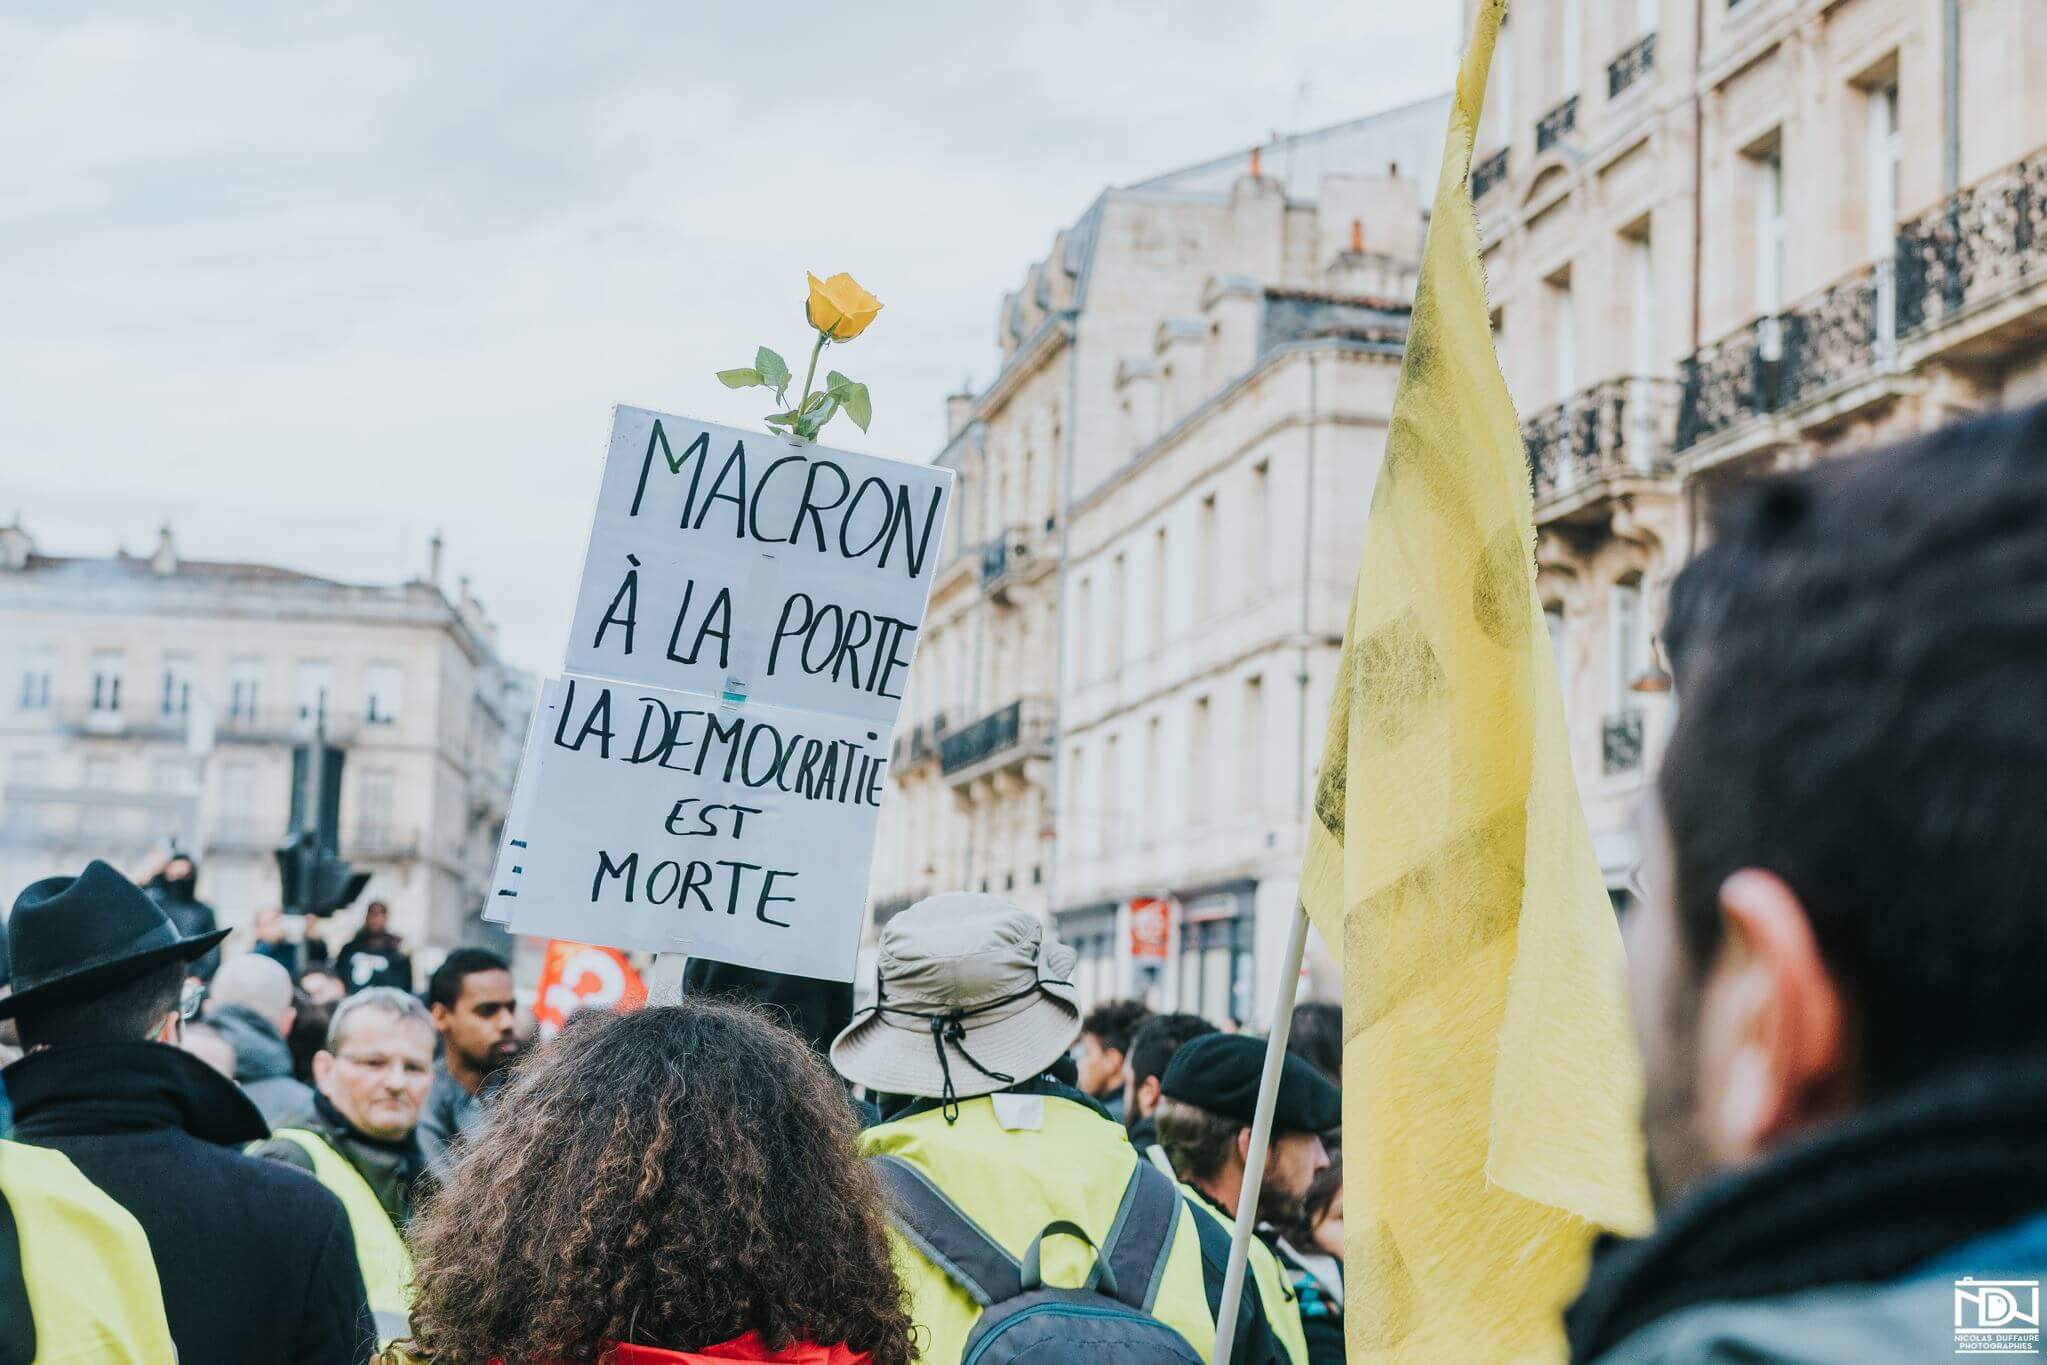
858 405
784 419
815 401
835 382
739 379
774 371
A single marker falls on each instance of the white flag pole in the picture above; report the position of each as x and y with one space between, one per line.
1261 1138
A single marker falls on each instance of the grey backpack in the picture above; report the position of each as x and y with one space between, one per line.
1024 1322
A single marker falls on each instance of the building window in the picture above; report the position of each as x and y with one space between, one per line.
1149 785
36 670
1564 337
1199 779
1107 821
313 689
1119 588
177 685
1642 303
170 775
102 773
1083 628
1886 151
1251 743
1630 644
1553 619
1204 560
1572 39
1261 521
244 686
238 791
106 681
1769 183
1158 605
1215 965
386 694
375 791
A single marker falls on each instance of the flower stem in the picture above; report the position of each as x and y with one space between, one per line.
811 373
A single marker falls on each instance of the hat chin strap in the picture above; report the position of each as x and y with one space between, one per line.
949 1026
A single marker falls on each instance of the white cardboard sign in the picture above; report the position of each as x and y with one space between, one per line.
668 822
706 777
731 562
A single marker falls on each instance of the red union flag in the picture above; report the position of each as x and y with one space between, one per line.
577 976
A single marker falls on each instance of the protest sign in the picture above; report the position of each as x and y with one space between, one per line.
671 822
512 841
581 976
750 565
706 776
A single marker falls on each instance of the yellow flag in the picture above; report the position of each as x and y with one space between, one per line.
1491 1086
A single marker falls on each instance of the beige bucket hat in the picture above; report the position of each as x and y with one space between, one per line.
972 997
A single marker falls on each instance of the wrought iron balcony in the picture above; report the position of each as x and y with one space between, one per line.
1009 553
1615 428
1017 731
1488 173
1620 742
1628 69
1983 243
1556 125
994 559
1986 240
1838 335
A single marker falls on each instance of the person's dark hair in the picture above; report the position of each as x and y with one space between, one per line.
1115 1022
444 987
1861 713
1316 1037
123 1014
1159 1037
673 1177
1322 1191
308 1035
1197 1142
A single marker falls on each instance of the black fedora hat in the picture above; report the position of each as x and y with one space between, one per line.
77 937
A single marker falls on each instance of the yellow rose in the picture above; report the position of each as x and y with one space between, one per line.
839 307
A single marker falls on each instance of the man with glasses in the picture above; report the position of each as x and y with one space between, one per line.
251 1263
362 1142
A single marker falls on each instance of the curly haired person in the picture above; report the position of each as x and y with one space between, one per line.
665 1187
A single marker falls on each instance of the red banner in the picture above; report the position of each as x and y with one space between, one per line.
577 976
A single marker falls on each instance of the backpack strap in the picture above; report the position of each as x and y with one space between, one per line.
950 1240
1141 1238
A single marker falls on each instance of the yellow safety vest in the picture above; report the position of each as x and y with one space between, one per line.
379 1249
1013 1182
91 1280
1282 1306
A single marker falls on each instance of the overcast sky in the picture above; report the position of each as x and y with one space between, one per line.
310 280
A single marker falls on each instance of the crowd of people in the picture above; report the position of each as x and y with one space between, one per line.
1833 957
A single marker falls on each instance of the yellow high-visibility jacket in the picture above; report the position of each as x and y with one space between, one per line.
91 1281
1012 1182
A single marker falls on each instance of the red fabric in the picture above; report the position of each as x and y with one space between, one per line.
747 1348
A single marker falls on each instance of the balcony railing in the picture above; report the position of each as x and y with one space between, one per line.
1619 427
1556 125
1020 728
1628 69
1620 742
1985 240
1488 173
1982 243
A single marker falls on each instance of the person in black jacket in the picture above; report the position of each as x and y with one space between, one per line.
375 956
175 887
255 1260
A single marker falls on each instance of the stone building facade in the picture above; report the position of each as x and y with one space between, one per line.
1723 238
152 696
1125 670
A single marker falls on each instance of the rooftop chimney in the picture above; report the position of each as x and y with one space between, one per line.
1254 162
165 558
433 559
1357 236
